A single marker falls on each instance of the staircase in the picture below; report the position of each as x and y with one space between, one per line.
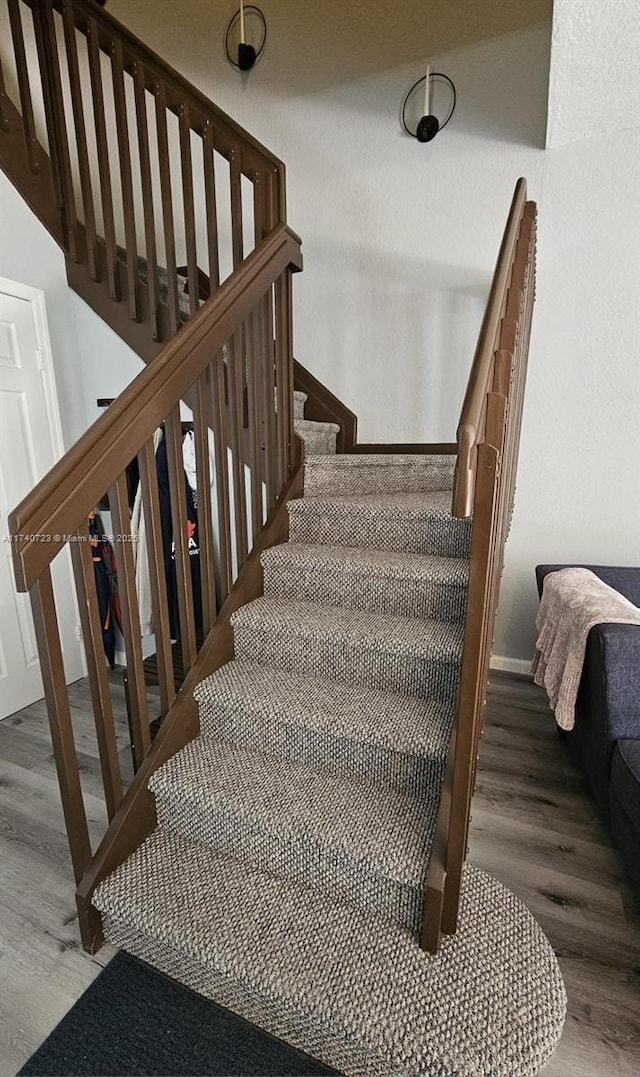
286 875
300 821
323 744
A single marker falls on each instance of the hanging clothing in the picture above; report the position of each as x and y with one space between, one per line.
189 459
168 544
106 579
141 554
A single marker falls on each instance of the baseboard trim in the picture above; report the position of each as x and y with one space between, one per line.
522 666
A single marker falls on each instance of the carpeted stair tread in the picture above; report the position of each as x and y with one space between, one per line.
348 729
356 712
394 581
385 651
414 522
346 986
361 840
370 473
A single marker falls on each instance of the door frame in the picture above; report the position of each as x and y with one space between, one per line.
36 298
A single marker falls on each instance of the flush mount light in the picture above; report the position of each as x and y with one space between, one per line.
245 37
428 106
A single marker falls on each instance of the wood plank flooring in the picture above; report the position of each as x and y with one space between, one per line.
534 827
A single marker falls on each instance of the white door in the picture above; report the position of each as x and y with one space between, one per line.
30 443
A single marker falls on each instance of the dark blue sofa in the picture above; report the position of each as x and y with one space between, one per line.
606 736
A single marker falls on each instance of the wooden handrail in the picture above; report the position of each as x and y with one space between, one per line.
470 426
487 451
62 499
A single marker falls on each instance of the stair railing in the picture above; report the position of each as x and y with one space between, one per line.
234 361
113 124
488 438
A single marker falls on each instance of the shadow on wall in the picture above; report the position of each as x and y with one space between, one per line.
503 102
501 87
426 311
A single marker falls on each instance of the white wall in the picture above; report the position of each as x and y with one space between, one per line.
595 70
108 363
90 360
399 245
578 493
29 255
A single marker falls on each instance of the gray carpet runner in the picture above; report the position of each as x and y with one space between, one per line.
350 730
286 876
420 658
346 986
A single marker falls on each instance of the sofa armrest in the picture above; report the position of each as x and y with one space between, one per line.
610 687
624 579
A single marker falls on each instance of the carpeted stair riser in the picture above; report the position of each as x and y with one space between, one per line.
356 842
347 987
319 438
416 523
410 585
373 474
299 401
397 654
349 730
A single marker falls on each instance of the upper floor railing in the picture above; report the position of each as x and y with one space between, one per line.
155 186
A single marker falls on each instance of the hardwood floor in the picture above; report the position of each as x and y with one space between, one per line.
534 827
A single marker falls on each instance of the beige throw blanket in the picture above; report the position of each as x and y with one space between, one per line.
573 601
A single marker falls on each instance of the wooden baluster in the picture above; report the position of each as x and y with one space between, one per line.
157 577
81 556
104 169
147 194
284 372
259 207
4 122
255 359
137 695
186 166
31 146
235 386
201 425
281 439
269 218
167 206
81 136
219 426
64 749
47 48
179 520
210 203
268 395
235 179
485 570
124 154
